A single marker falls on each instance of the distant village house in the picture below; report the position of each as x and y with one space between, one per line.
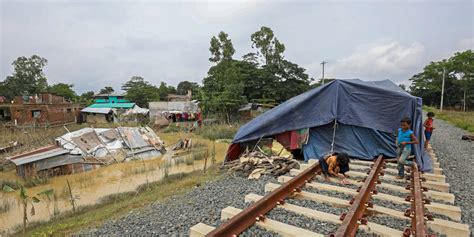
109 107
41 109
177 108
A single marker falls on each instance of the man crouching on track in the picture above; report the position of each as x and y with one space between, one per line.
405 138
335 165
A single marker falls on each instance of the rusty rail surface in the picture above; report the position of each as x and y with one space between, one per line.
257 210
417 210
350 221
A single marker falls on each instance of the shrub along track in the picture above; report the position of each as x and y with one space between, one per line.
374 203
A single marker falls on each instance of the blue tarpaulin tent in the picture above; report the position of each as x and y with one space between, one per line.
352 116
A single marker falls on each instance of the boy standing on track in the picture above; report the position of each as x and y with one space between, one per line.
428 128
405 138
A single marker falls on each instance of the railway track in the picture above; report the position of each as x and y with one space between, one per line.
373 192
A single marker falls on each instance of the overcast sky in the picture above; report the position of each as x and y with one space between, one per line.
93 44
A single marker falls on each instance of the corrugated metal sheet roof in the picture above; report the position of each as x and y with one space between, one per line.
132 137
96 110
39 156
58 161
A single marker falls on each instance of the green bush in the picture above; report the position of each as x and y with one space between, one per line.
218 131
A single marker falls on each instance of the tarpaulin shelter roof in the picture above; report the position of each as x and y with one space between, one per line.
137 110
378 105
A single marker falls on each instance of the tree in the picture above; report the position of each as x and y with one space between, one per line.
459 84
164 90
107 90
64 90
27 79
223 88
403 87
185 86
140 91
264 76
288 79
221 48
86 98
270 48
463 71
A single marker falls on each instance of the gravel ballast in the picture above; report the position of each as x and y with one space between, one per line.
177 215
456 158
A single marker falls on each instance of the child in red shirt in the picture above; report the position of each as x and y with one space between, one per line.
428 128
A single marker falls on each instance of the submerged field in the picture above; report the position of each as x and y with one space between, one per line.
109 191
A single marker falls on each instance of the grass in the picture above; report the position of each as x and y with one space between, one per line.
120 204
218 131
464 120
6 204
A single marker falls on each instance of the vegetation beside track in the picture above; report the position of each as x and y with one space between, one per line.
464 120
118 205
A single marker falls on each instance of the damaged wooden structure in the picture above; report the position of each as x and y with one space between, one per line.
88 149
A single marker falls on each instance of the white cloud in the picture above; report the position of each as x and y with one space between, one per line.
381 60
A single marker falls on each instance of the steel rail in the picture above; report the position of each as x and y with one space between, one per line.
417 211
354 217
256 211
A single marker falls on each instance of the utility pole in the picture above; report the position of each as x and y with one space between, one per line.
442 91
322 78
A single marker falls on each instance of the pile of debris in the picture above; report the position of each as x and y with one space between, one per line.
255 164
88 149
468 137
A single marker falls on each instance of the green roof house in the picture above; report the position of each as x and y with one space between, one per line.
105 107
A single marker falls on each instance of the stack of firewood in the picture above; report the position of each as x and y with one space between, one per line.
255 164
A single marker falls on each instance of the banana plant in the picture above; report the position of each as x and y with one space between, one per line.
24 200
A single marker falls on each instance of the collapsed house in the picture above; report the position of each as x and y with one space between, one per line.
352 116
88 149
113 108
41 109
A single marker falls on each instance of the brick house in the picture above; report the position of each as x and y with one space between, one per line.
43 108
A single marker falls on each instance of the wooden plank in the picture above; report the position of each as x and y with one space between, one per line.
200 230
444 226
374 228
272 225
322 216
443 196
447 210
312 196
433 177
443 187
436 167
437 171
449 228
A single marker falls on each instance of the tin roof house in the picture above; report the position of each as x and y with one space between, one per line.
108 106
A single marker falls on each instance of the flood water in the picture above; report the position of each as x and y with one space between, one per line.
91 186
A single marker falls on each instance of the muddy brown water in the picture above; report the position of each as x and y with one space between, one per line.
90 187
